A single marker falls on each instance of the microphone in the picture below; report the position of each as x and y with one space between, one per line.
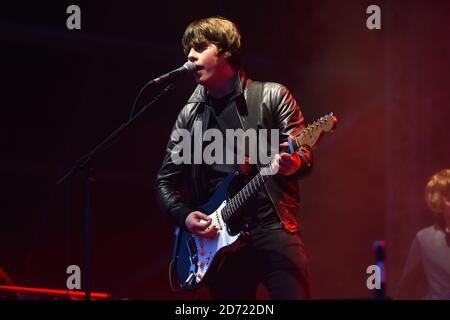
185 68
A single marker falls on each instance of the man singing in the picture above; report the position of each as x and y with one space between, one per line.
226 98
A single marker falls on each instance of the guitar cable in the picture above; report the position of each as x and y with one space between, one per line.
170 278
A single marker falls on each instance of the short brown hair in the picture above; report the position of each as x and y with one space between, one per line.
219 31
437 192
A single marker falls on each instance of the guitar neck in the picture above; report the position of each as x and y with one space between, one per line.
246 192
308 137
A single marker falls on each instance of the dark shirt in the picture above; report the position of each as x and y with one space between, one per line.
224 115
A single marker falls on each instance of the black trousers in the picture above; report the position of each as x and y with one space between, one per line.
270 256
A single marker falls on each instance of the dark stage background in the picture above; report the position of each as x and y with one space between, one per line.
63 91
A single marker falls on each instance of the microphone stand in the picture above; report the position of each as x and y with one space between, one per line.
84 165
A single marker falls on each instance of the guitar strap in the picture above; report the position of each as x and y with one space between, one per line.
250 109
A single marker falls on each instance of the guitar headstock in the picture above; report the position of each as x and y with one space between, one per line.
312 133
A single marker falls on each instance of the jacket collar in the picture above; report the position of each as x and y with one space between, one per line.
199 95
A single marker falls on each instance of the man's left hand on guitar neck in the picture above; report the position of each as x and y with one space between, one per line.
287 163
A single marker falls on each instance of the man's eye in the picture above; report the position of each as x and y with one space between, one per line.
200 48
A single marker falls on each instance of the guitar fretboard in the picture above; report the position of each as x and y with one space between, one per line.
246 192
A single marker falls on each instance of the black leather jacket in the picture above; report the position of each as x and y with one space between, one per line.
176 186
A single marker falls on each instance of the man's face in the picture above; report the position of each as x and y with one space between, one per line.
213 68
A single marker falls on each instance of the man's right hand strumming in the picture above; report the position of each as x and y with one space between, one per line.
199 223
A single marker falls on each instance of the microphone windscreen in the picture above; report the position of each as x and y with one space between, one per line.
190 66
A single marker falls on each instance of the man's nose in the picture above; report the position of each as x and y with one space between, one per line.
192 56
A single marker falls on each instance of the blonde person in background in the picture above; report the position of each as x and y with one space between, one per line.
426 274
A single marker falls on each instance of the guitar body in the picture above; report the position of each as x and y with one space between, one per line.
196 257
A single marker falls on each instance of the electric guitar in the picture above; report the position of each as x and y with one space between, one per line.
195 257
